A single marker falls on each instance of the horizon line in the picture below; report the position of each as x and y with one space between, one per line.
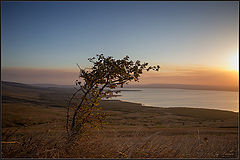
153 85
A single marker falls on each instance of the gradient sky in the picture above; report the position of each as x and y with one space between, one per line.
43 37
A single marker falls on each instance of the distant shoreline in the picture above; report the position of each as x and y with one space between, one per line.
188 87
148 106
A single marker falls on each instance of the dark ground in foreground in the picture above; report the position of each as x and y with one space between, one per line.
33 121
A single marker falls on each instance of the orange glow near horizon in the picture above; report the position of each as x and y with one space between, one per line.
193 75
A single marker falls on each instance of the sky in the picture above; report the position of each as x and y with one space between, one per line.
191 41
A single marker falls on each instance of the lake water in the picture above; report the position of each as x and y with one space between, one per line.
157 97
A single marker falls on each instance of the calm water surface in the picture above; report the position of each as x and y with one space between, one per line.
157 97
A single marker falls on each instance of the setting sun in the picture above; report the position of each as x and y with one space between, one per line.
234 62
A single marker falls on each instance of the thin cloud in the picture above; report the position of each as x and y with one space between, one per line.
36 75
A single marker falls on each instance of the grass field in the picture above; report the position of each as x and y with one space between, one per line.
33 125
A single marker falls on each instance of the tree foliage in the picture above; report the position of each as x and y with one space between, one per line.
97 83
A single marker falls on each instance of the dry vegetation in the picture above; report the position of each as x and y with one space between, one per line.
34 119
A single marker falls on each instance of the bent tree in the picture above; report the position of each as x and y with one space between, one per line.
97 83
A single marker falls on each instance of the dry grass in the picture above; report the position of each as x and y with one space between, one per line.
128 143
